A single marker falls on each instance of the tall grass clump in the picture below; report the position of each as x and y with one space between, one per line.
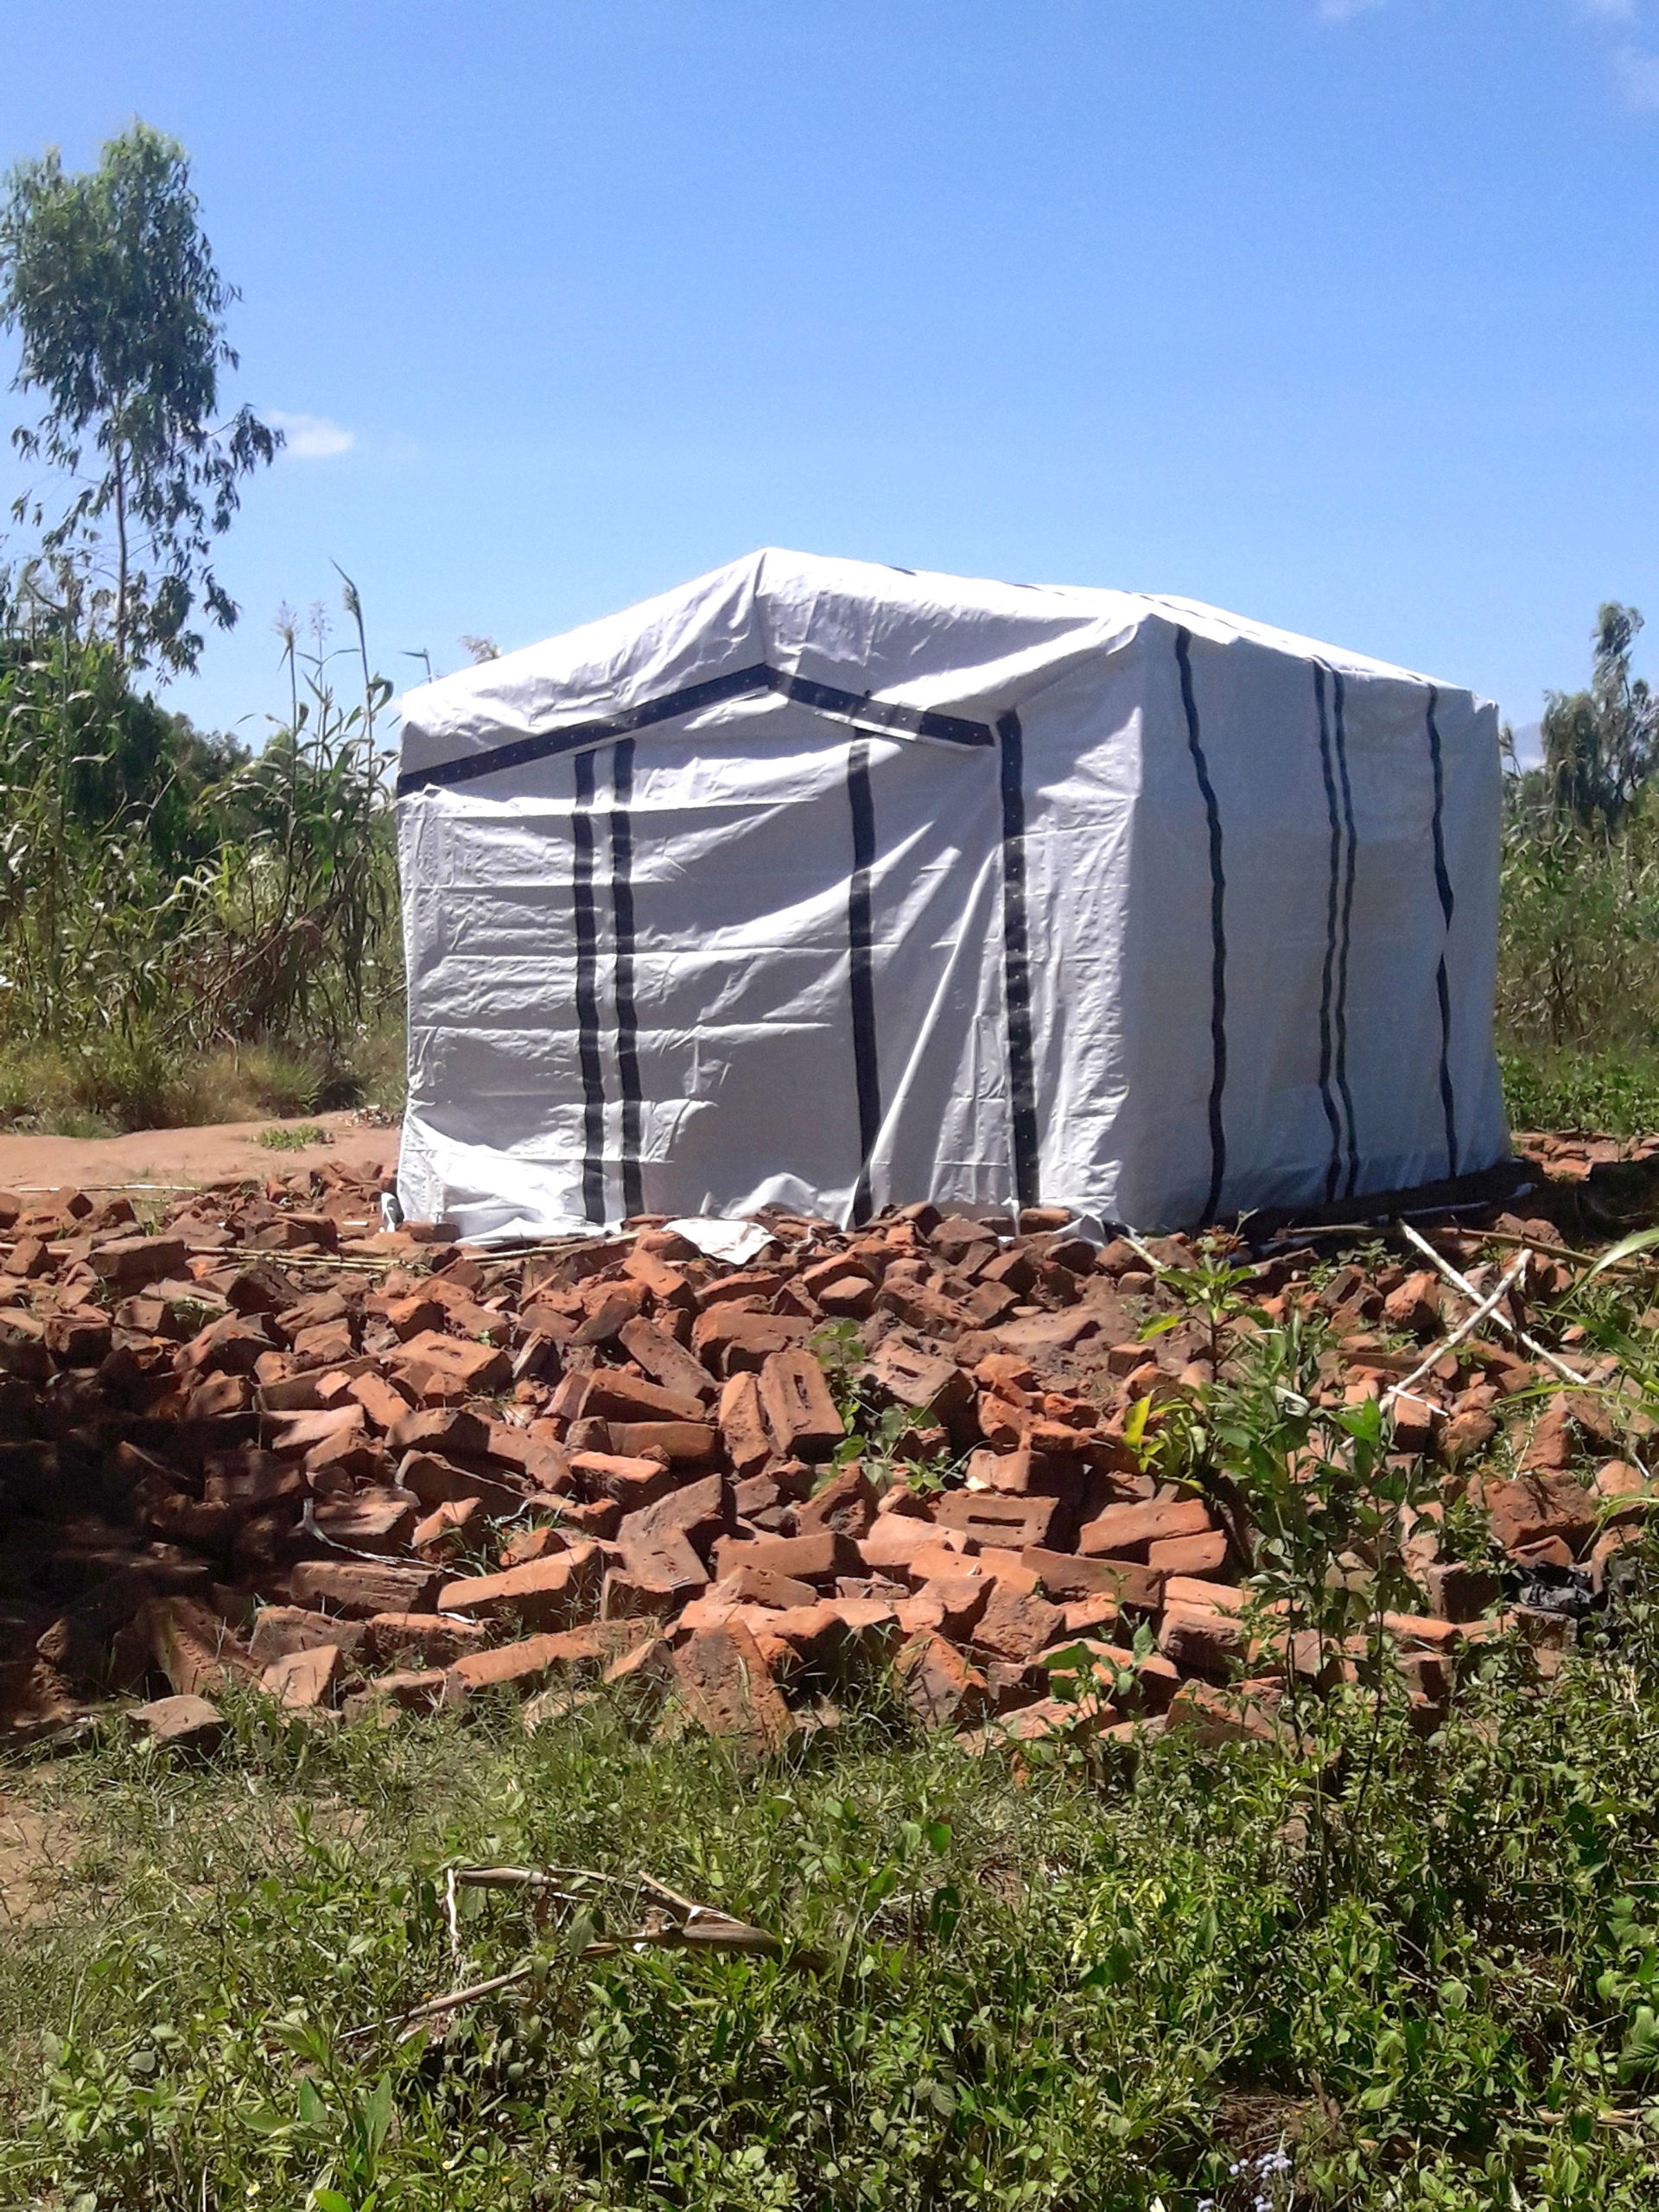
1578 986
167 901
1578 992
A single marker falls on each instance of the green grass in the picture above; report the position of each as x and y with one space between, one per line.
295 1139
1614 1094
1577 983
116 1084
1063 1986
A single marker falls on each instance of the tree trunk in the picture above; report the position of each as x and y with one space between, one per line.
121 555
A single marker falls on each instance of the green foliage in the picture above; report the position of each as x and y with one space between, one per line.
876 1432
1579 957
1613 1092
110 286
1601 745
1578 985
295 1139
163 896
1041 1987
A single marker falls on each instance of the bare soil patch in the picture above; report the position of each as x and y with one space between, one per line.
183 1159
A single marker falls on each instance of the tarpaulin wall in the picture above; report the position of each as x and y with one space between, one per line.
826 885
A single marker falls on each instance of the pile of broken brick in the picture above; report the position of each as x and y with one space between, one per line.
262 1440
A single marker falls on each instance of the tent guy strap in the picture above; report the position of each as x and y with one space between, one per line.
738 682
1339 910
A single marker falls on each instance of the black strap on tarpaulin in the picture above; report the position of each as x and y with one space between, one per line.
692 699
1338 925
1016 964
585 919
1443 884
627 1020
1332 898
1347 939
861 944
1218 930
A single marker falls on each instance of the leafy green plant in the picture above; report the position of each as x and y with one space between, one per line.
1314 1500
876 1432
295 1139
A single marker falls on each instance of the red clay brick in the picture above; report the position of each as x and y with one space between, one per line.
1197 1555
424 1639
368 1520
437 1482
1014 1624
800 1412
667 1361
742 1425
942 1686
546 1594
474 1368
663 1546
614 1394
193 1648
534 1658
633 1483
1126 1531
359 1587
817 1559
1202 1644
450 1433
303 1678
1538 1507
127 1264
846 1503
279 1630
1015 1524
724 1684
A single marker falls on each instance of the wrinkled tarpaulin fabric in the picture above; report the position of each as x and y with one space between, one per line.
827 885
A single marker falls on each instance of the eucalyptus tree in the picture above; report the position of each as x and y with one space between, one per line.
1601 746
109 284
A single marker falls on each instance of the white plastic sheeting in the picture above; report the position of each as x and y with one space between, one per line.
827 885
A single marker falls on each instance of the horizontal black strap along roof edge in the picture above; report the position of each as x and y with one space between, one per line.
823 698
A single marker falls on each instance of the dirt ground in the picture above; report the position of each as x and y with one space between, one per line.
178 1159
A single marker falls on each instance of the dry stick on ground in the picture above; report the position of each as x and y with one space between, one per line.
1510 1328
1465 1328
698 1927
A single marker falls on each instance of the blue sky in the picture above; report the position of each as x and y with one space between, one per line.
1338 313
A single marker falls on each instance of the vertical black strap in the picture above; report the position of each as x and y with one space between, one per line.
1016 964
1346 937
587 933
1332 1118
627 1021
1443 884
1217 931
860 942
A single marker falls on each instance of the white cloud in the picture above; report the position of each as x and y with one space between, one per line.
1637 74
1340 11
311 437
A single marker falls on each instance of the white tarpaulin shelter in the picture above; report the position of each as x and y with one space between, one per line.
826 885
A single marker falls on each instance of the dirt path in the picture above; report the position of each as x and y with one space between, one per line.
180 1158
